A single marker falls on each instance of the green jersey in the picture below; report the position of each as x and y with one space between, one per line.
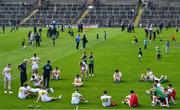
91 59
159 93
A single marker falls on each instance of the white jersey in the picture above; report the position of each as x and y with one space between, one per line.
117 75
32 37
84 66
151 75
160 87
44 96
6 73
106 100
77 80
22 93
35 61
35 80
76 98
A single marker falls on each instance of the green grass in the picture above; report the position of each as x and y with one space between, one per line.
117 52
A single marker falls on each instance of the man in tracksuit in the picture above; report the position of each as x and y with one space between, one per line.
46 73
91 64
78 39
22 69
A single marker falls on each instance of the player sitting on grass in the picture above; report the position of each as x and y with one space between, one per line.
23 93
158 96
77 98
37 80
77 81
106 100
131 100
56 74
151 90
43 95
172 93
151 77
117 76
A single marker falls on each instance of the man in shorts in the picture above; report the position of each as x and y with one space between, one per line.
77 98
43 95
131 100
7 79
35 62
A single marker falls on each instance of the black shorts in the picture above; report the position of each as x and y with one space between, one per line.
162 99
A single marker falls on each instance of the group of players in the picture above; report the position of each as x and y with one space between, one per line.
41 84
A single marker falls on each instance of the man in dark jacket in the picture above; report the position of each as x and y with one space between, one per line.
46 73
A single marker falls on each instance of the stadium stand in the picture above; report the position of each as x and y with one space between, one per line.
13 9
104 11
65 11
114 11
164 11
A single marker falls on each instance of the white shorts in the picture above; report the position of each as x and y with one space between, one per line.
22 96
46 99
7 78
35 66
140 56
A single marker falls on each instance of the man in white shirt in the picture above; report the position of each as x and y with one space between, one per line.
56 74
77 81
7 78
106 100
77 98
151 77
117 76
35 63
23 92
37 80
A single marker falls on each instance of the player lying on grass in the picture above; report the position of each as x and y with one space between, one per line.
77 81
7 78
37 80
56 74
106 100
117 76
149 76
131 100
77 98
43 95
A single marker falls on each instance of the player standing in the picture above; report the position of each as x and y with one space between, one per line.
7 79
140 54
35 60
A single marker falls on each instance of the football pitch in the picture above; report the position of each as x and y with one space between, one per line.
117 52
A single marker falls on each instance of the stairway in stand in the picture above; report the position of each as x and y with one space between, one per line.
138 17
